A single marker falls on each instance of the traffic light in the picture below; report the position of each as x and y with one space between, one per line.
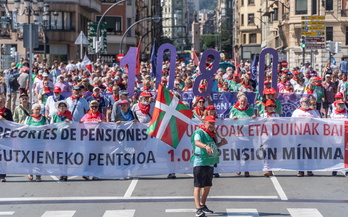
330 46
303 42
337 47
13 52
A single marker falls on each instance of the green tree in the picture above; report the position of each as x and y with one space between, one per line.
209 41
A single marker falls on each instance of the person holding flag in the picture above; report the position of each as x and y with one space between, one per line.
205 148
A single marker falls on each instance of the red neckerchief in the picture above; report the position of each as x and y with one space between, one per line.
2 111
75 97
269 113
340 112
67 114
199 111
145 109
39 77
90 114
97 97
186 88
236 81
220 85
240 109
145 88
344 80
318 85
294 78
47 89
310 91
109 90
37 117
139 82
116 98
246 86
211 134
119 83
305 110
226 89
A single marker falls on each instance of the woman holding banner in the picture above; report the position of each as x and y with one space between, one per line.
242 110
36 119
63 114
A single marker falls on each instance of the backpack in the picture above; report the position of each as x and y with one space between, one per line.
14 83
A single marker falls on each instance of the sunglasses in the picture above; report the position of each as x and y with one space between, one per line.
201 101
272 106
94 106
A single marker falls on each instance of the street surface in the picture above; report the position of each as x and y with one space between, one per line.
232 195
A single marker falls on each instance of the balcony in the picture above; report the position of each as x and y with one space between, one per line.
344 13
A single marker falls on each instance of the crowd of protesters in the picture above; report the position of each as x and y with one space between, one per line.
70 92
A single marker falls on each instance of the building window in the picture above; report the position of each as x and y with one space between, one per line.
276 14
113 25
242 20
329 5
329 33
301 7
242 3
251 2
251 20
252 38
314 7
61 22
346 35
129 23
129 2
244 39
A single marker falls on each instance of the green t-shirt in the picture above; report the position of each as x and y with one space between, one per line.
233 85
31 122
320 93
242 114
200 156
278 110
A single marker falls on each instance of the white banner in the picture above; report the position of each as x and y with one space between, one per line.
115 151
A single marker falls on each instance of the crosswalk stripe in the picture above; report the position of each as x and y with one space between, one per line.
119 213
131 187
303 212
180 210
58 214
242 213
7 213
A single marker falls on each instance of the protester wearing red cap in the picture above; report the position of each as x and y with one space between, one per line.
198 111
235 82
50 107
205 154
340 112
269 94
144 108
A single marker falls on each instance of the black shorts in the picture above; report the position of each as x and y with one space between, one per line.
326 104
203 176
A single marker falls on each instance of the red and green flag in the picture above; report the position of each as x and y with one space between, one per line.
170 118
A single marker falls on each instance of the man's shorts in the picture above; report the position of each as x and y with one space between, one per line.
326 104
203 176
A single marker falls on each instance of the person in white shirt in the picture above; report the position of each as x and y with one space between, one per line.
50 107
304 111
269 109
340 111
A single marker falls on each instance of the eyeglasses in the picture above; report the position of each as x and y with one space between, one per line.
272 106
94 106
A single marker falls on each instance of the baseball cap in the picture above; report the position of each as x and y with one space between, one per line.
57 90
123 92
124 102
339 95
210 108
44 74
266 82
338 102
269 91
94 102
269 103
96 88
146 94
210 118
202 86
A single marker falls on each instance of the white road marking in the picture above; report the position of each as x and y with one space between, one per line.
242 213
119 213
131 188
55 178
7 213
278 188
21 199
180 210
58 214
302 212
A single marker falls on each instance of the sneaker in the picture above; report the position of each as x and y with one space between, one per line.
200 213
310 173
171 176
246 174
205 209
85 177
346 174
334 173
300 174
38 179
2 180
216 175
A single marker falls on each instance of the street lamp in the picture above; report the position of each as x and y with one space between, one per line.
155 18
55 17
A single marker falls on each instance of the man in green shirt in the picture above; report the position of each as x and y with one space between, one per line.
205 155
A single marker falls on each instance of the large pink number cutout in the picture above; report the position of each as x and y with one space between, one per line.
206 74
159 66
130 60
274 54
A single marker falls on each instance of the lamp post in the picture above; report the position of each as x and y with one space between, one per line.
155 18
37 8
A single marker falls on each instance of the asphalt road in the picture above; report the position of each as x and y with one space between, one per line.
232 195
